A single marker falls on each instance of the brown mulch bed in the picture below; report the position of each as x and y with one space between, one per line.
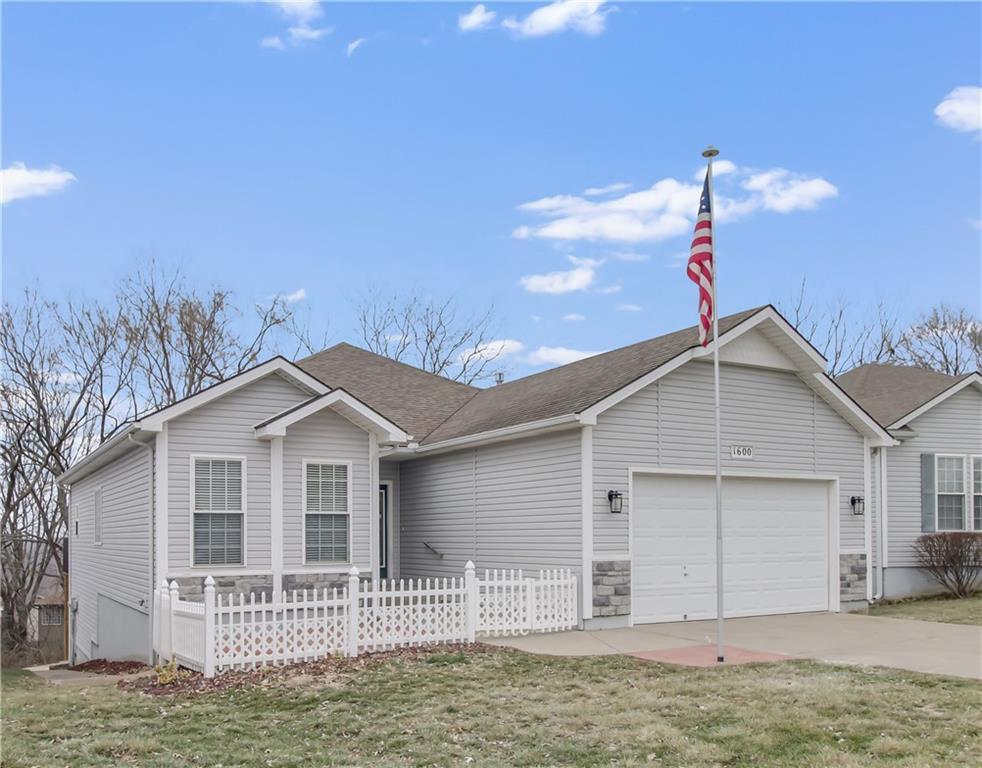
333 669
104 667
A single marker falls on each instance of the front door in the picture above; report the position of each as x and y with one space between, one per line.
383 531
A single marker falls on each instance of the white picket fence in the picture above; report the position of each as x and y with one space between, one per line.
229 632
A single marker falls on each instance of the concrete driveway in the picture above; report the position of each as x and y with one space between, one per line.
920 646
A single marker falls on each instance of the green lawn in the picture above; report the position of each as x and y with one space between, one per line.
947 609
505 708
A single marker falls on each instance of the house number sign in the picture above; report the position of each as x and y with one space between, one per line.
741 451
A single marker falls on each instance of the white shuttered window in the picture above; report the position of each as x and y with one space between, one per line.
218 511
326 512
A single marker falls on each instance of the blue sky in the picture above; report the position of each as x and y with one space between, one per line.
455 161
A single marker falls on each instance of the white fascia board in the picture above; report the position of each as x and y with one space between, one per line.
868 426
589 415
975 379
114 446
276 427
276 365
504 433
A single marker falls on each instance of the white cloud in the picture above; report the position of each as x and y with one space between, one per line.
301 14
609 289
586 16
720 168
628 308
494 349
630 256
961 110
577 279
557 356
479 17
292 298
667 208
783 191
354 45
18 181
306 34
617 186
574 317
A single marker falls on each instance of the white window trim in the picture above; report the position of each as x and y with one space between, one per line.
97 517
966 492
245 518
971 490
303 511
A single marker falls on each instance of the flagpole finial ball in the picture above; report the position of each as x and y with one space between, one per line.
710 152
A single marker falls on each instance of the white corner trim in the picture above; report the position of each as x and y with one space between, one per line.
884 498
586 510
373 510
161 488
276 513
154 421
277 425
975 379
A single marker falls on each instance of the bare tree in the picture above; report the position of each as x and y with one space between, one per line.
73 373
433 335
946 339
843 340
184 341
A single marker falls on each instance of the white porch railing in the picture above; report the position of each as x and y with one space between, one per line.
226 633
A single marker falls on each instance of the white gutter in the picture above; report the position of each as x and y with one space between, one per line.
115 441
504 433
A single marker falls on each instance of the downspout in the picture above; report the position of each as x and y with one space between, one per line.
881 506
880 502
150 490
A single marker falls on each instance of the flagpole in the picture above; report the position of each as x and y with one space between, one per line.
709 153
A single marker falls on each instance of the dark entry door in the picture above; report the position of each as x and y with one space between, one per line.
383 531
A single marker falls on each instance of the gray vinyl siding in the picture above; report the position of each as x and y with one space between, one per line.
514 504
953 426
329 437
873 506
119 568
225 427
670 425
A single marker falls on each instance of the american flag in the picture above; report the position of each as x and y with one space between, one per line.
700 268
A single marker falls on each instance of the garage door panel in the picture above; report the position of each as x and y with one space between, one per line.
775 550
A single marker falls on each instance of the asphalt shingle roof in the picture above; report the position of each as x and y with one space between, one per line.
890 392
434 409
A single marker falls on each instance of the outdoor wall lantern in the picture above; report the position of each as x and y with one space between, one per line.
858 505
616 500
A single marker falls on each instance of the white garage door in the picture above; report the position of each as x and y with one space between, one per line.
775 547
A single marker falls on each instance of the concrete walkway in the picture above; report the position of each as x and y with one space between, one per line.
920 646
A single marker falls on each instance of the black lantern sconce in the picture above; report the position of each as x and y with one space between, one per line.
616 500
858 505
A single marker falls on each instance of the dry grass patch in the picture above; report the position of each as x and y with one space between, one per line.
499 707
949 610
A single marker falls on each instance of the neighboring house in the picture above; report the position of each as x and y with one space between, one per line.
931 480
286 475
47 627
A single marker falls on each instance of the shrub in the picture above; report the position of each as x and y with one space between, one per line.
954 560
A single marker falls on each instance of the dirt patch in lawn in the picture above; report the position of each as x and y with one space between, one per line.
326 672
104 667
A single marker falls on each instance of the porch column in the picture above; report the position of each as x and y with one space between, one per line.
276 513
373 512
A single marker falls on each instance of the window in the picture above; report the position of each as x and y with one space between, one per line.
326 512
50 615
951 493
977 491
218 511
97 516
